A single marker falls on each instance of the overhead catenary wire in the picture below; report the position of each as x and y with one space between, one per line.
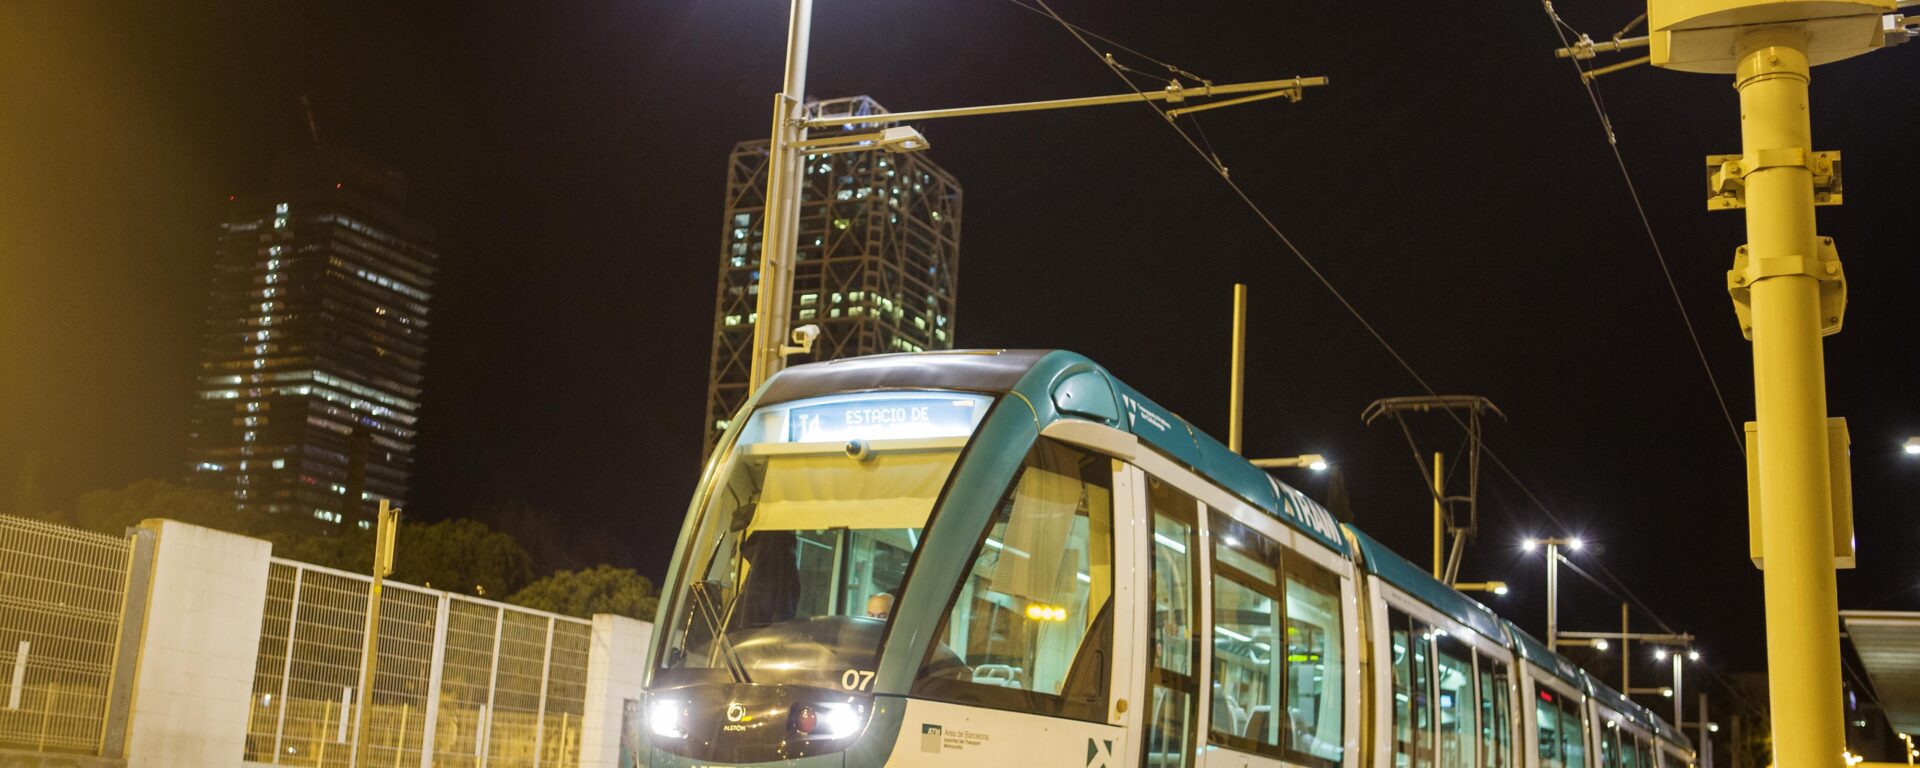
1080 35
1560 29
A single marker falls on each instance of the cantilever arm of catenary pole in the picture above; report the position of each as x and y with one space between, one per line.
1265 88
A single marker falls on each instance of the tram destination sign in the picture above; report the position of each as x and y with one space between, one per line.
884 418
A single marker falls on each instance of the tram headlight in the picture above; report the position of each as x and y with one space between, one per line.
830 720
667 718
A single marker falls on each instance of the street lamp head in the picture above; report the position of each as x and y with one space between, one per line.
902 138
1500 589
1527 544
1693 655
1660 654
1913 446
1575 543
1317 465
1600 644
1667 692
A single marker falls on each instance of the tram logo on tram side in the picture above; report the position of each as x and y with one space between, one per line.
1297 506
1099 753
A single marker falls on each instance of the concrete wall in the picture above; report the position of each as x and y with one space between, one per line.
194 677
616 666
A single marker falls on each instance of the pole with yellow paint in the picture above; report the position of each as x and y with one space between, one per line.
1788 293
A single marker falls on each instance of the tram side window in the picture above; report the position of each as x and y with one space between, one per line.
1496 736
1573 736
1455 705
1546 710
1032 623
1412 712
1278 685
1173 676
1315 674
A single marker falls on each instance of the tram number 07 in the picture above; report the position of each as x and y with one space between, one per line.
856 680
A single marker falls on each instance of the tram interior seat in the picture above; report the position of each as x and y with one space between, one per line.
1236 713
1256 725
1002 675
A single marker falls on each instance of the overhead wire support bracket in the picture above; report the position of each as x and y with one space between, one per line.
1173 93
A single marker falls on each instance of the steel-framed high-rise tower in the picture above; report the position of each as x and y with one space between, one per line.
878 261
310 372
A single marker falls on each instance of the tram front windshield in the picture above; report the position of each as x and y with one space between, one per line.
803 541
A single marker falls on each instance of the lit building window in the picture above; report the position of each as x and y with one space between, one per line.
279 463
280 223
280 208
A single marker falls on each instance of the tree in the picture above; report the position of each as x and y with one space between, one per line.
114 511
456 555
600 589
460 555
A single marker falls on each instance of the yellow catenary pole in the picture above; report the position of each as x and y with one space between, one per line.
1439 515
1788 291
1790 395
1237 386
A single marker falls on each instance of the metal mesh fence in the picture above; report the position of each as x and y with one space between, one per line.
62 591
460 682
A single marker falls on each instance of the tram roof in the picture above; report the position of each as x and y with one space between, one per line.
1065 385
1531 649
1398 571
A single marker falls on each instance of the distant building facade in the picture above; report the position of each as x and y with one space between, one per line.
310 373
878 266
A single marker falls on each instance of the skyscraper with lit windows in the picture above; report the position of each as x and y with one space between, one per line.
878 260
310 373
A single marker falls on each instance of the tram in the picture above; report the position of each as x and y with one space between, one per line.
1011 558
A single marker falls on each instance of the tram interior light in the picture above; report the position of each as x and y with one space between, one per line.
666 717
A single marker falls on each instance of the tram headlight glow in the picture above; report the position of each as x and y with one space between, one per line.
830 720
666 717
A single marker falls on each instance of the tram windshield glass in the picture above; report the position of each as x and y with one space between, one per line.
805 534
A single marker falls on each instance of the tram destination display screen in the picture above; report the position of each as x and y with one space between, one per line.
885 417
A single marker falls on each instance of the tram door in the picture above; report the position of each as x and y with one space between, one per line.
1168 722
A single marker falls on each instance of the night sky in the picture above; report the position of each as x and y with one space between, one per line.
1453 182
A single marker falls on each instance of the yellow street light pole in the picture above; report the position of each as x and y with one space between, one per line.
387 528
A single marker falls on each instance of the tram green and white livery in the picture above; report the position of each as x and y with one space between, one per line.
1012 558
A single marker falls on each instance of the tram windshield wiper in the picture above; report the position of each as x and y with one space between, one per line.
710 613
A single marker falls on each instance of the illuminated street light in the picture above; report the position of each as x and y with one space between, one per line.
1313 461
1913 446
1693 655
1600 644
1498 588
1659 654
1553 581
